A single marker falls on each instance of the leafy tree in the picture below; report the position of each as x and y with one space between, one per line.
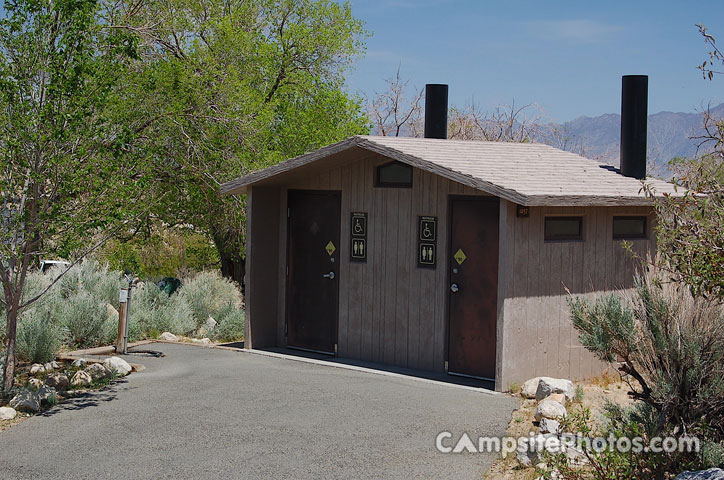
63 172
690 231
224 88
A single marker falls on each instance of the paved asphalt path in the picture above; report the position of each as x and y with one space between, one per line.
201 413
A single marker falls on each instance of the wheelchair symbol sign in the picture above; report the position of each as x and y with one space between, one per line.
428 227
359 225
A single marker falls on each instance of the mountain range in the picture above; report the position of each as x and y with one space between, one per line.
669 135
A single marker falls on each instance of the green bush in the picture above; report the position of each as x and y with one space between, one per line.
166 252
230 324
91 277
670 345
39 338
209 294
154 312
84 320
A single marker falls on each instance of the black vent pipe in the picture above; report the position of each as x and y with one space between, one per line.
435 110
634 117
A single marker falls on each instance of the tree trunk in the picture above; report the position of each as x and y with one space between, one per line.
9 370
233 268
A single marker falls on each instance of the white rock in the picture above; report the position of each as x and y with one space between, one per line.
711 474
81 362
547 386
26 401
48 367
111 312
168 336
58 381
548 425
98 371
118 365
201 341
210 323
7 413
81 379
37 369
35 383
549 409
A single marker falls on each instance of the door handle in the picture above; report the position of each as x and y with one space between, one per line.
329 275
454 288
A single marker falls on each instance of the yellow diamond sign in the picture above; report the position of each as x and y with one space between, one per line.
460 256
330 248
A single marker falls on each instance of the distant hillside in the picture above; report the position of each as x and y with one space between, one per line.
598 138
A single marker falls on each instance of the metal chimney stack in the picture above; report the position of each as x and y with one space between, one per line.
634 118
435 110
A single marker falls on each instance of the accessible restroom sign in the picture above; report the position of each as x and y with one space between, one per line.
427 242
358 236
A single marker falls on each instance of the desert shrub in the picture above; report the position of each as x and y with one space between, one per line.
230 324
84 320
92 277
208 294
671 345
154 312
39 339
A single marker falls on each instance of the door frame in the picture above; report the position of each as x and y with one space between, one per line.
448 279
287 297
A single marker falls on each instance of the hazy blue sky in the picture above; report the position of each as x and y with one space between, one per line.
566 56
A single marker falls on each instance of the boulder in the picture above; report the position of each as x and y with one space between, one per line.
548 386
168 336
210 323
98 371
47 396
7 413
117 365
81 379
558 397
528 451
111 312
548 425
37 369
81 362
529 387
26 401
201 341
711 474
549 409
35 383
58 381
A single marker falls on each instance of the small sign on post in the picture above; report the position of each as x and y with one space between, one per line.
122 340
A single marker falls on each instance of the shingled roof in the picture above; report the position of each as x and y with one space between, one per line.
525 173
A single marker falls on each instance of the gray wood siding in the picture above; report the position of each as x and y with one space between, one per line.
390 311
538 337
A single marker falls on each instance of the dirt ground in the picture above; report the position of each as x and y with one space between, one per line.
596 393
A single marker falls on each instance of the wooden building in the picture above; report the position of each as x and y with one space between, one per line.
438 255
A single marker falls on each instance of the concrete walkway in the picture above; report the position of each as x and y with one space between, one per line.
201 413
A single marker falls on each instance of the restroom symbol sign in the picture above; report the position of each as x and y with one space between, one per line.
428 229
359 225
427 254
358 237
359 248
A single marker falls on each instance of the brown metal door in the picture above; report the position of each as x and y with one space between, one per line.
473 287
313 262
